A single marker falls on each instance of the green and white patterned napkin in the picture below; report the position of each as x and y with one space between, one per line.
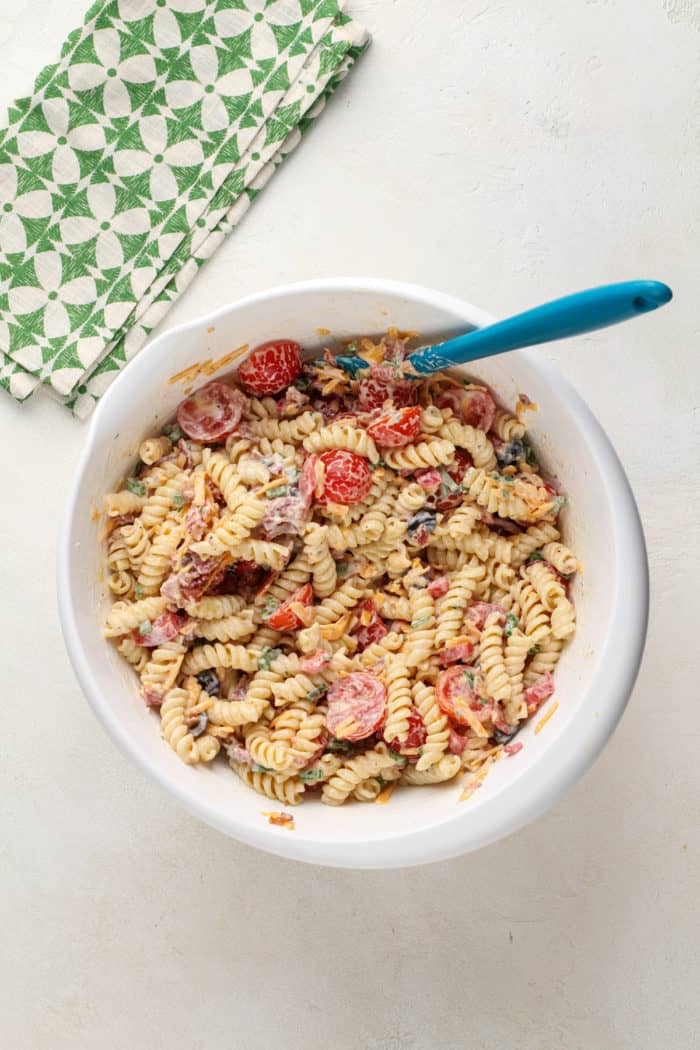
137 153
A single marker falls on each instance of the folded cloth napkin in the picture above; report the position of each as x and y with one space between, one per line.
137 153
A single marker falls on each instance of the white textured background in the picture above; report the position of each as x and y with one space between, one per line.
507 152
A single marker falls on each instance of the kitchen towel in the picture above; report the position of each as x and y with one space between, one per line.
135 156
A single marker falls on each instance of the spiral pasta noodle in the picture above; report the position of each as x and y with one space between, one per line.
340 624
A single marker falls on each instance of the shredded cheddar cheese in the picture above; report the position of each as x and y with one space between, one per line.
543 721
384 795
334 631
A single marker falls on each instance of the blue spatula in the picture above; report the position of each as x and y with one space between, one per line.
560 319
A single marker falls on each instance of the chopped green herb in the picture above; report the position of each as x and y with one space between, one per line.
279 490
381 781
375 466
138 468
530 457
447 484
145 628
397 758
559 502
178 500
534 651
338 746
269 607
454 606
266 657
173 432
138 590
316 693
261 769
421 621
536 556
137 487
469 677
309 775
512 623
507 478
302 383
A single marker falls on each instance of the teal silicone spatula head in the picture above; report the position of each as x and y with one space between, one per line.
560 319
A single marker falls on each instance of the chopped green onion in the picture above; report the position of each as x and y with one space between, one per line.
534 651
530 457
316 693
269 607
267 656
178 500
279 490
561 501
512 623
469 677
340 746
137 487
396 757
536 556
138 590
145 627
309 775
173 432
261 769
421 621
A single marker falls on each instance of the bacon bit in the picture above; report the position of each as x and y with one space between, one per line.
512 749
543 721
279 819
384 795
334 631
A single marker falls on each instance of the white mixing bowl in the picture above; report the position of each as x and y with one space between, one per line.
597 671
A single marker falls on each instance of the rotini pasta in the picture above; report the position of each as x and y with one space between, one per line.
344 591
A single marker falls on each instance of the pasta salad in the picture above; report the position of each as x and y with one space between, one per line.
340 579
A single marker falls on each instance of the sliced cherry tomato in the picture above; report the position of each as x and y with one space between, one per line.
417 733
271 367
164 629
212 412
454 692
382 385
374 631
397 428
448 500
541 690
347 478
475 407
284 618
315 662
356 706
